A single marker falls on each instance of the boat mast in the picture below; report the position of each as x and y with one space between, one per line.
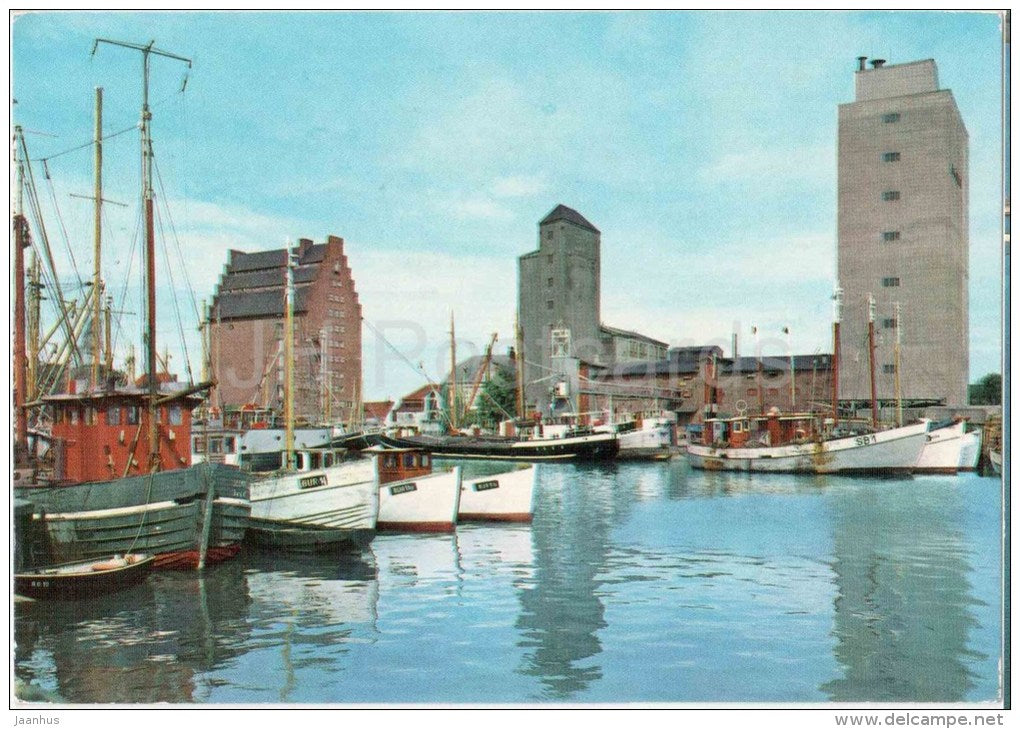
453 375
761 391
34 299
871 360
896 367
150 238
97 299
837 303
288 361
793 375
20 357
519 343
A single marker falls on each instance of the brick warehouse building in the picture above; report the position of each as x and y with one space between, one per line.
247 324
683 382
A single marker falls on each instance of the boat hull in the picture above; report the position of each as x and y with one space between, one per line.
505 497
84 579
316 510
891 452
163 514
942 450
423 504
595 447
970 451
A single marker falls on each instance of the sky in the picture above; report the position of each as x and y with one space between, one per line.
701 144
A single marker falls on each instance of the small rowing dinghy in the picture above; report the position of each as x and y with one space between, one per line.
75 580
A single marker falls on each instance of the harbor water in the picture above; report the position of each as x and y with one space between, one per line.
643 582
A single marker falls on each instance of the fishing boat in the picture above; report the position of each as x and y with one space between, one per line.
505 497
970 451
323 504
808 442
317 501
118 476
412 497
88 578
575 445
793 443
645 439
943 449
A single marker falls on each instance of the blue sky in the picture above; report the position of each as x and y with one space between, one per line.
703 145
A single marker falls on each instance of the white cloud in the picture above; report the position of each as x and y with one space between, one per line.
773 167
519 186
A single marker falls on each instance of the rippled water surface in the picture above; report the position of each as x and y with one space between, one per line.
635 583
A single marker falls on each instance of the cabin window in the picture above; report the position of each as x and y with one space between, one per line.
215 445
889 369
91 416
229 444
315 460
425 460
390 462
549 305
113 415
773 392
888 323
327 460
752 392
198 444
408 460
176 415
73 412
738 427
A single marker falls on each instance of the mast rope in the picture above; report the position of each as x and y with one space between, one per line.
173 297
60 220
417 368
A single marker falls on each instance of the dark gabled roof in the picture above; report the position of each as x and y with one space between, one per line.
630 335
265 278
777 363
241 261
258 304
562 212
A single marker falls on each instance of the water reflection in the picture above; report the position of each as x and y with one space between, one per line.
902 614
561 614
145 645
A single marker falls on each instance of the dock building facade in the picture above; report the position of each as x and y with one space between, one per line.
902 235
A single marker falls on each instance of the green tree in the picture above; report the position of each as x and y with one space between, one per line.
987 390
497 398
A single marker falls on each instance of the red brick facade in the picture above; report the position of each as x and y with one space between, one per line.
247 323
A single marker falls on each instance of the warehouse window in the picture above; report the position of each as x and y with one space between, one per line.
890 235
888 369
888 323
891 281
891 157
548 304
890 195
890 118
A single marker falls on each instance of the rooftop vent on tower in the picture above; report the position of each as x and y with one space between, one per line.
878 63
